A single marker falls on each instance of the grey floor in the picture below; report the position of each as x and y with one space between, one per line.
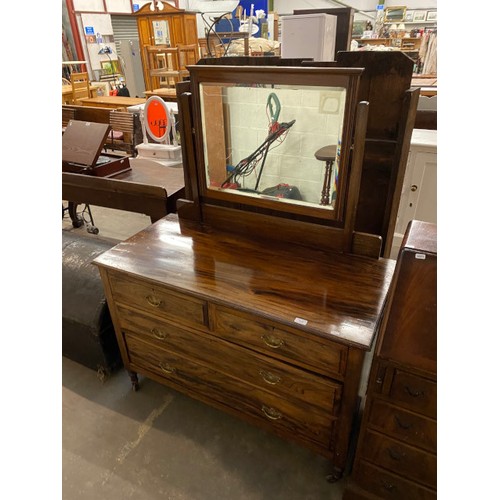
159 444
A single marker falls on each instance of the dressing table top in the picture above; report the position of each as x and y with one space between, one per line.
336 296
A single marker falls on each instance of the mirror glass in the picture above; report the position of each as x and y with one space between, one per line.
273 141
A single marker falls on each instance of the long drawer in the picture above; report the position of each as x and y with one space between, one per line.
312 352
282 414
271 375
410 462
402 424
390 486
159 300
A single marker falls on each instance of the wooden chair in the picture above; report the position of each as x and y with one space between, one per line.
162 66
80 86
188 56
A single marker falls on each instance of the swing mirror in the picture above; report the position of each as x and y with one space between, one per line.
279 141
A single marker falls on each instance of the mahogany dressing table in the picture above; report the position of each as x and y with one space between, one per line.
260 305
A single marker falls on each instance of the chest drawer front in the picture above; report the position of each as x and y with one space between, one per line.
403 425
390 486
321 356
414 392
405 460
268 374
159 300
281 414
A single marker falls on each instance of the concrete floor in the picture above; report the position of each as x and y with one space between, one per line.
157 443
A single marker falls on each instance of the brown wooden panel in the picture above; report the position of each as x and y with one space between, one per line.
326 357
281 413
275 280
410 333
390 486
278 378
400 458
404 425
416 393
158 299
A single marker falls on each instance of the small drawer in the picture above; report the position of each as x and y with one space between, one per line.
310 351
390 486
258 370
400 458
158 300
402 424
279 414
416 393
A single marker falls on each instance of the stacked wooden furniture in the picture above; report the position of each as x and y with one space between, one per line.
80 87
396 453
261 308
182 30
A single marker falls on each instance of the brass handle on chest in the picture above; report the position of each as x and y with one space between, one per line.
387 486
153 301
402 424
395 455
272 342
413 393
159 334
166 368
271 413
270 378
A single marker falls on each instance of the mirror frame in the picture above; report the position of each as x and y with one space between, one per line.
306 76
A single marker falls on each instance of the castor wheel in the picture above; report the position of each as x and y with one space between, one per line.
78 222
135 381
93 230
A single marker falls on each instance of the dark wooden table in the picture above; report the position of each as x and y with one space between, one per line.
147 188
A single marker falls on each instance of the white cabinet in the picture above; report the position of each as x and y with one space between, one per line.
419 194
309 36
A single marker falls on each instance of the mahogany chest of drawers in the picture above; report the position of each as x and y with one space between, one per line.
396 451
274 334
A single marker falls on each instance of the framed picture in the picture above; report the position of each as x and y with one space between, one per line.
110 67
395 14
409 16
432 15
358 27
419 15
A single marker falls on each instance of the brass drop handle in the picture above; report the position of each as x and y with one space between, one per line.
401 424
159 334
270 378
271 413
167 368
153 301
272 342
413 393
395 455
387 486
414 187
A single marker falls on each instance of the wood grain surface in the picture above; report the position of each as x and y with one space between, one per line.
336 296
